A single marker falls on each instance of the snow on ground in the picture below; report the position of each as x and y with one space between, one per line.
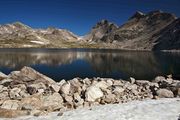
163 109
38 42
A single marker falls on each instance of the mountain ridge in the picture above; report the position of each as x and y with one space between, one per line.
155 30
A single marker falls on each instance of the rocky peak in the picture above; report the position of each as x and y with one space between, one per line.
155 12
138 15
104 23
20 25
158 14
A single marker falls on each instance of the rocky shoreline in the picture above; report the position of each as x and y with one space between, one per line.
28 92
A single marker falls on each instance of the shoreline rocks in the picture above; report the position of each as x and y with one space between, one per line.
28 92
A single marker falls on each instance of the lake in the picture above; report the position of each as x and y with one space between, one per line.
69 63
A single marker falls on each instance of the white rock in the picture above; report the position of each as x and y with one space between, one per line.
93 93
132 80
55 87
118 90
65 89
102 85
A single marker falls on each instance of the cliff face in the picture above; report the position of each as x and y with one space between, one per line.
155 30
100 30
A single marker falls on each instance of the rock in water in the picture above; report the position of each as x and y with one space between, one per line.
93 93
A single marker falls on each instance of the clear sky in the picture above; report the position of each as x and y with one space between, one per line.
78 16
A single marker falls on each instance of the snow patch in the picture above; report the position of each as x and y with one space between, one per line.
163 109
27 45
38 42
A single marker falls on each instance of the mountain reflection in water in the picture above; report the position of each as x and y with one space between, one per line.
67 64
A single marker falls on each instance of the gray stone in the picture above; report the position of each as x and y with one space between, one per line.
10 104
33 88
52 102
65 88
102 85
6 82
78 101
2 76
110 98
14 93
68 98
164 93
118 90
4 95
55 87
32 102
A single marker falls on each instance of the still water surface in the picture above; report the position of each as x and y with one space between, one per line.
69 63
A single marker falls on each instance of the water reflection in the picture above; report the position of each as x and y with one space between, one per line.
67 64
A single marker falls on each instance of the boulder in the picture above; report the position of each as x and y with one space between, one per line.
2 76
163 81
132 80
93 93
110 98
38 113
14 93
32 102
102 85
109 82
52 102
61 82
6 82
33 88
78 101
118 90
10 104
118 82
4 95
55 87
87 81
68 98
65 88
28 74
7 113
164 93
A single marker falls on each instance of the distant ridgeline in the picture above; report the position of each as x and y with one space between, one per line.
155 30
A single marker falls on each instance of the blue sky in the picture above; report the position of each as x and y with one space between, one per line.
78 16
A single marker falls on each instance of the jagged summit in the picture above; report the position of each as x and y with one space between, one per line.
104 22
99 30
138 15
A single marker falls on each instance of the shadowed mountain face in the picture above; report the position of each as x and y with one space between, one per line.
155 30
140 31
67 64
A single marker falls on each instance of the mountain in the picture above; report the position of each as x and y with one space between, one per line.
99 30
156 30
19 35
145 32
